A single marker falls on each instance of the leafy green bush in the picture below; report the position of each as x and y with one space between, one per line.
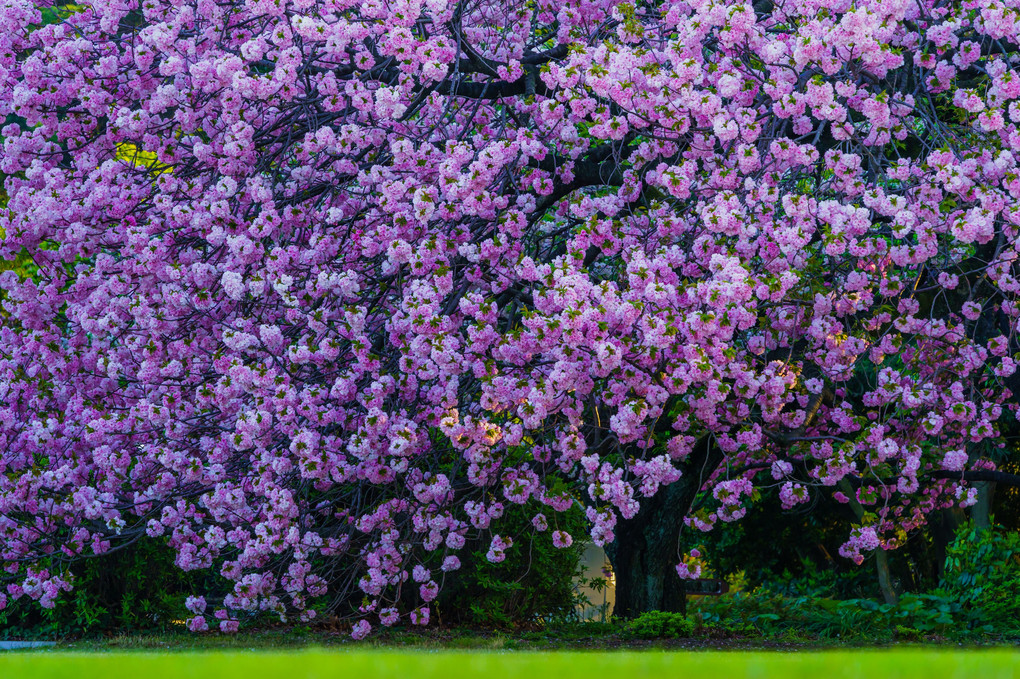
812 581
977 594
136 589
775 615
982 574
533 583
787 552
907 633
660 625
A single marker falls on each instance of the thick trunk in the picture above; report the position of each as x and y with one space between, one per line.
943 531
644 555
885 577
646 550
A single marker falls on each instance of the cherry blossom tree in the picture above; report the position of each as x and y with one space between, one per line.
321 286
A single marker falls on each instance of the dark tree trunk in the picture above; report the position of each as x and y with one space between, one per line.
944 527
885 579
645 553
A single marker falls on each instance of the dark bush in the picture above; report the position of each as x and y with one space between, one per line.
135 589
808 616
533 584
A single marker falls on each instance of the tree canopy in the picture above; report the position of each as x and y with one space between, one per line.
319 287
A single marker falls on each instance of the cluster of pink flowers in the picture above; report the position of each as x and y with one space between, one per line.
320 287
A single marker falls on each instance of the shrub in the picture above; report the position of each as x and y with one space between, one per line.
660 625
774 614
533 582
982 573
136 589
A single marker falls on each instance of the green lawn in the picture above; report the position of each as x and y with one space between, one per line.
907 663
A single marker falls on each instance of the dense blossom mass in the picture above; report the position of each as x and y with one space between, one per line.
320 287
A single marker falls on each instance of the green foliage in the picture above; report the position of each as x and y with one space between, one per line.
586 610
534 582
660 625
59 11
982 574
907 633
811 581
23 265
137 589
777 615
788 552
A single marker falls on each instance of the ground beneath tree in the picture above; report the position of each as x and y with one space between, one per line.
573 637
